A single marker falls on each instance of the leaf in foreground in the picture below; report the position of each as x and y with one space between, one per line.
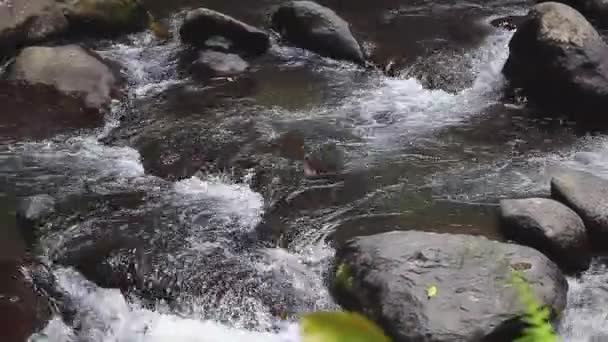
339 327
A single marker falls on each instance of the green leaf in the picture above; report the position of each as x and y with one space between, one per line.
339 327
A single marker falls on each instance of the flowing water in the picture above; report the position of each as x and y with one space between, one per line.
204 180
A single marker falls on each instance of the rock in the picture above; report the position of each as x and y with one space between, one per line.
317 28
387 276
560 61
202 25
31 214
70 69
24 22
328 159
549 227
215 63
24 310
587 195
105 17
41 112
595 10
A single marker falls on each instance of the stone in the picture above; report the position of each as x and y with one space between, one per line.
25 22
387 277
561 62
105 17
70 69
587 195
317 28
203 25
550 227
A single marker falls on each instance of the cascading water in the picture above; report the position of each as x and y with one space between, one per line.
200 230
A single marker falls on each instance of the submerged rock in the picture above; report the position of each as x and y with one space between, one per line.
560 61
387 277
550 227
319 29
103 17
587 195
70 69
24 22
32 212
215 63
203 25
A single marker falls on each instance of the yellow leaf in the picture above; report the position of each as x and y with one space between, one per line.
339 327
431 291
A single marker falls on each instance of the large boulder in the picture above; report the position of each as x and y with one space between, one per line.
317 28
70 69
40 112
560 61
24 22
387 277
595 10
203 25
587 195
105 17
548 226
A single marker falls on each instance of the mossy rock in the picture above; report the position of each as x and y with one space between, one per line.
106 16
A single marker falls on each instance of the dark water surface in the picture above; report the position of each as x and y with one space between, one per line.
204 181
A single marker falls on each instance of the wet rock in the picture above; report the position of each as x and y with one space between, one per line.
24 22
202 25
105 17
595 10
70 69
587 195
24 310
40 112
328 159
218 64
510 22
560 61
550 227
386 276
31 214
317 28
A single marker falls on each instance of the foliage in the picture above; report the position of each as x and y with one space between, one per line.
339 327
535 315
343 279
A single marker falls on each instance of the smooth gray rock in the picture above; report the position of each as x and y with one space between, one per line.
203 24
389 274
317 28
550 227
218 64
561 62
70 69
24 22
595 10
587 195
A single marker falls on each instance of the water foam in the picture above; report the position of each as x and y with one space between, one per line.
586 317
105 315
219 196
